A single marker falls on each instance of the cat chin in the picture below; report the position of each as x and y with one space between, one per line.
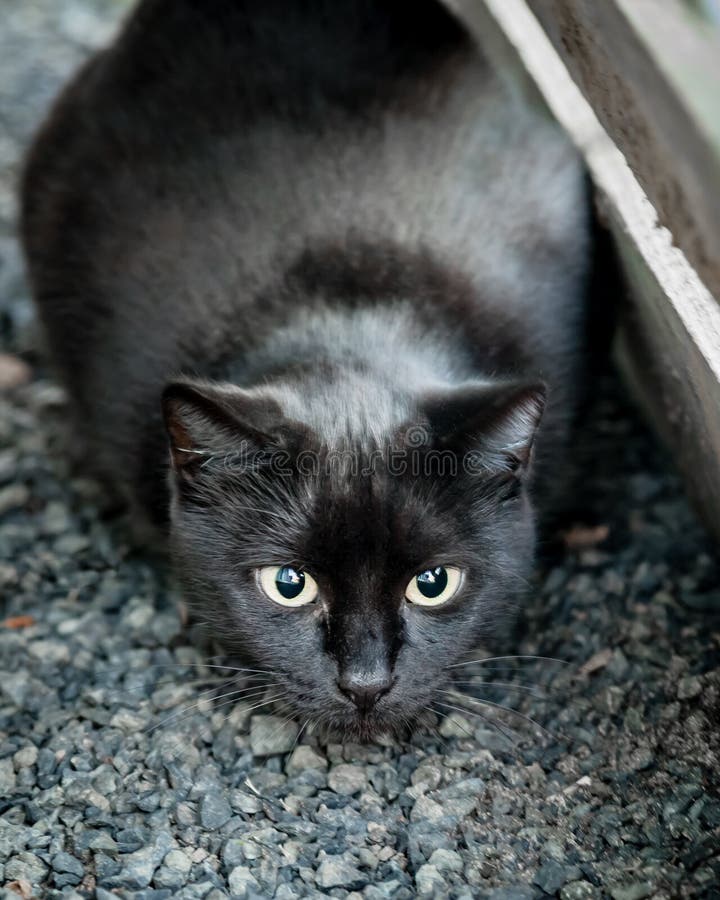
359 731
375 728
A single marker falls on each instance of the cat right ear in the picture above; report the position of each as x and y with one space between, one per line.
207 422
497 420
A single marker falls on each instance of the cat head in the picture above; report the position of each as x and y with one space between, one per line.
357 570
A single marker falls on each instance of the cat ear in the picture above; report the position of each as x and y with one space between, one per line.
206 421
496 422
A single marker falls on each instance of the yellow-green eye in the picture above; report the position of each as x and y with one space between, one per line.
435 586
287 586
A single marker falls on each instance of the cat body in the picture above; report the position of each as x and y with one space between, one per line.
353 264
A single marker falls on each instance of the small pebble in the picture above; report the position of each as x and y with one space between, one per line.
303 758
242 882
337 872
347 779
215 810
271 735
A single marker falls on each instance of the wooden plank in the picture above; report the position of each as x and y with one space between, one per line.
651 70
669 342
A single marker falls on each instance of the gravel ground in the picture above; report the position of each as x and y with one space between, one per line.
120 777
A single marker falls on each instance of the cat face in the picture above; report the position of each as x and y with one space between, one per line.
356 574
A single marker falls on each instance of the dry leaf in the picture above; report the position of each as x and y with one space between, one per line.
597 661
21 887
18 622
580 537
13 371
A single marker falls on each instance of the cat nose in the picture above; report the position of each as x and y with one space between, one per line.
365 688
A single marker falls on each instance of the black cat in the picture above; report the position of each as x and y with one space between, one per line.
353 266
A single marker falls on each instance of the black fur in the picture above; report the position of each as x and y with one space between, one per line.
330 239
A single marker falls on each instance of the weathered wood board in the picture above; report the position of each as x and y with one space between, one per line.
669 340
651 71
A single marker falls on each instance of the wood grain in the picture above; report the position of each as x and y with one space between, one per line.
669 340
651 71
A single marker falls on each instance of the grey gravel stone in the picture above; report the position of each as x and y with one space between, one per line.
347 779
336 871
139 867
242 882
637 891
244 802
688 688
551 876
429 882
64 862
270 735
172 879
215 810
26 867
233 853
24 758
446 860
516 892
579 890
427 810
7 778
303 758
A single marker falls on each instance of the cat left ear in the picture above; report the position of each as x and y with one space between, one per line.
206 420
497 422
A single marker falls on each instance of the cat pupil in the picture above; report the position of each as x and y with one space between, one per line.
289 582
432 582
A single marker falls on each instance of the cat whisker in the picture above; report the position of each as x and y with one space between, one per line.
511 669
276 698
504 684
487 659
238 694
172 681
234 700
219 657
256 706
200 665
433 729
300 731
277 730
468 733
502 730
458 695
526 582
217 683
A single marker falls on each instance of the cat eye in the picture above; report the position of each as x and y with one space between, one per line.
287 586
433 587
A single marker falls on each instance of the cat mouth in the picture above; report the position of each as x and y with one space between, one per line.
372 726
